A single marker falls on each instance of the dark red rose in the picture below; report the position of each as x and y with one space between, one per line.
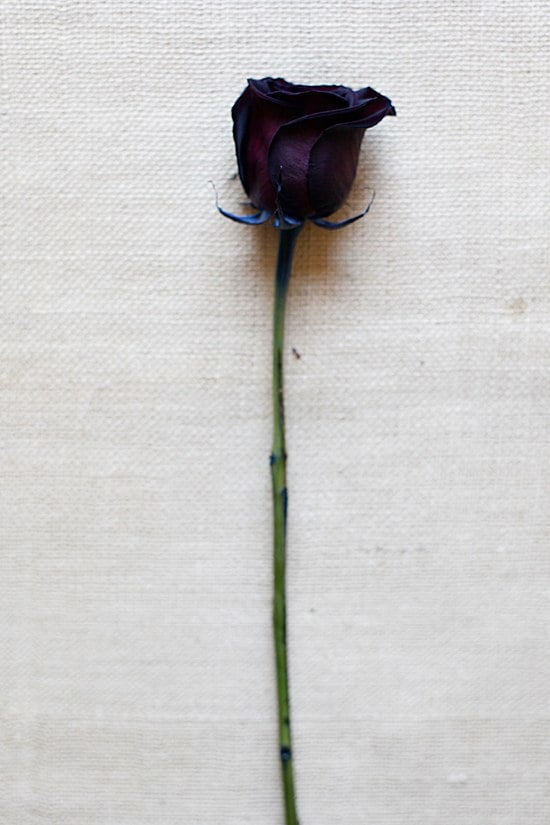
298 146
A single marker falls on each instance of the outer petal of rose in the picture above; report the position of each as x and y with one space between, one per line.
241 117
368 93
289 157
289 161
334 156
332 167
242 112
265 119
288 165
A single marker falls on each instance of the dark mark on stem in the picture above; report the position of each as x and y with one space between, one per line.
286 753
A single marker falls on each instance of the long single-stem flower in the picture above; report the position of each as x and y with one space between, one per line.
287 241
297 152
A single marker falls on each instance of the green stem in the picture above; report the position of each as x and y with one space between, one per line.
287 240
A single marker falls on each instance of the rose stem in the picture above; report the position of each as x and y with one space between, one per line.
287 240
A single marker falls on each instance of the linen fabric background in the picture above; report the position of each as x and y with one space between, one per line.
137 680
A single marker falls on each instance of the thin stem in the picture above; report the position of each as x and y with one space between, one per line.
287 240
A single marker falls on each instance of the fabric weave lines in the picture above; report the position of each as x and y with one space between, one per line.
137 679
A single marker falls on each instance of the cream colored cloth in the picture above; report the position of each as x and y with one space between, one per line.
137 679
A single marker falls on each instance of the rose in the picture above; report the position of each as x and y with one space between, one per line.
297 151
298 146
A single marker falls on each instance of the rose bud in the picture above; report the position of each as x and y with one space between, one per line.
298 146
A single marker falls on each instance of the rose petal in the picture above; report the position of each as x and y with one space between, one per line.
325 183
311 102
334 157
259 117
288 165
332 167
241 118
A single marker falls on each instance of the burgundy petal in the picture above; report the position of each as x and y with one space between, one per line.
332 168
289 162
311 102
265 117
323 183
241 118
333 158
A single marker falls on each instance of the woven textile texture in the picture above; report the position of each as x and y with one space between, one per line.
137 679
